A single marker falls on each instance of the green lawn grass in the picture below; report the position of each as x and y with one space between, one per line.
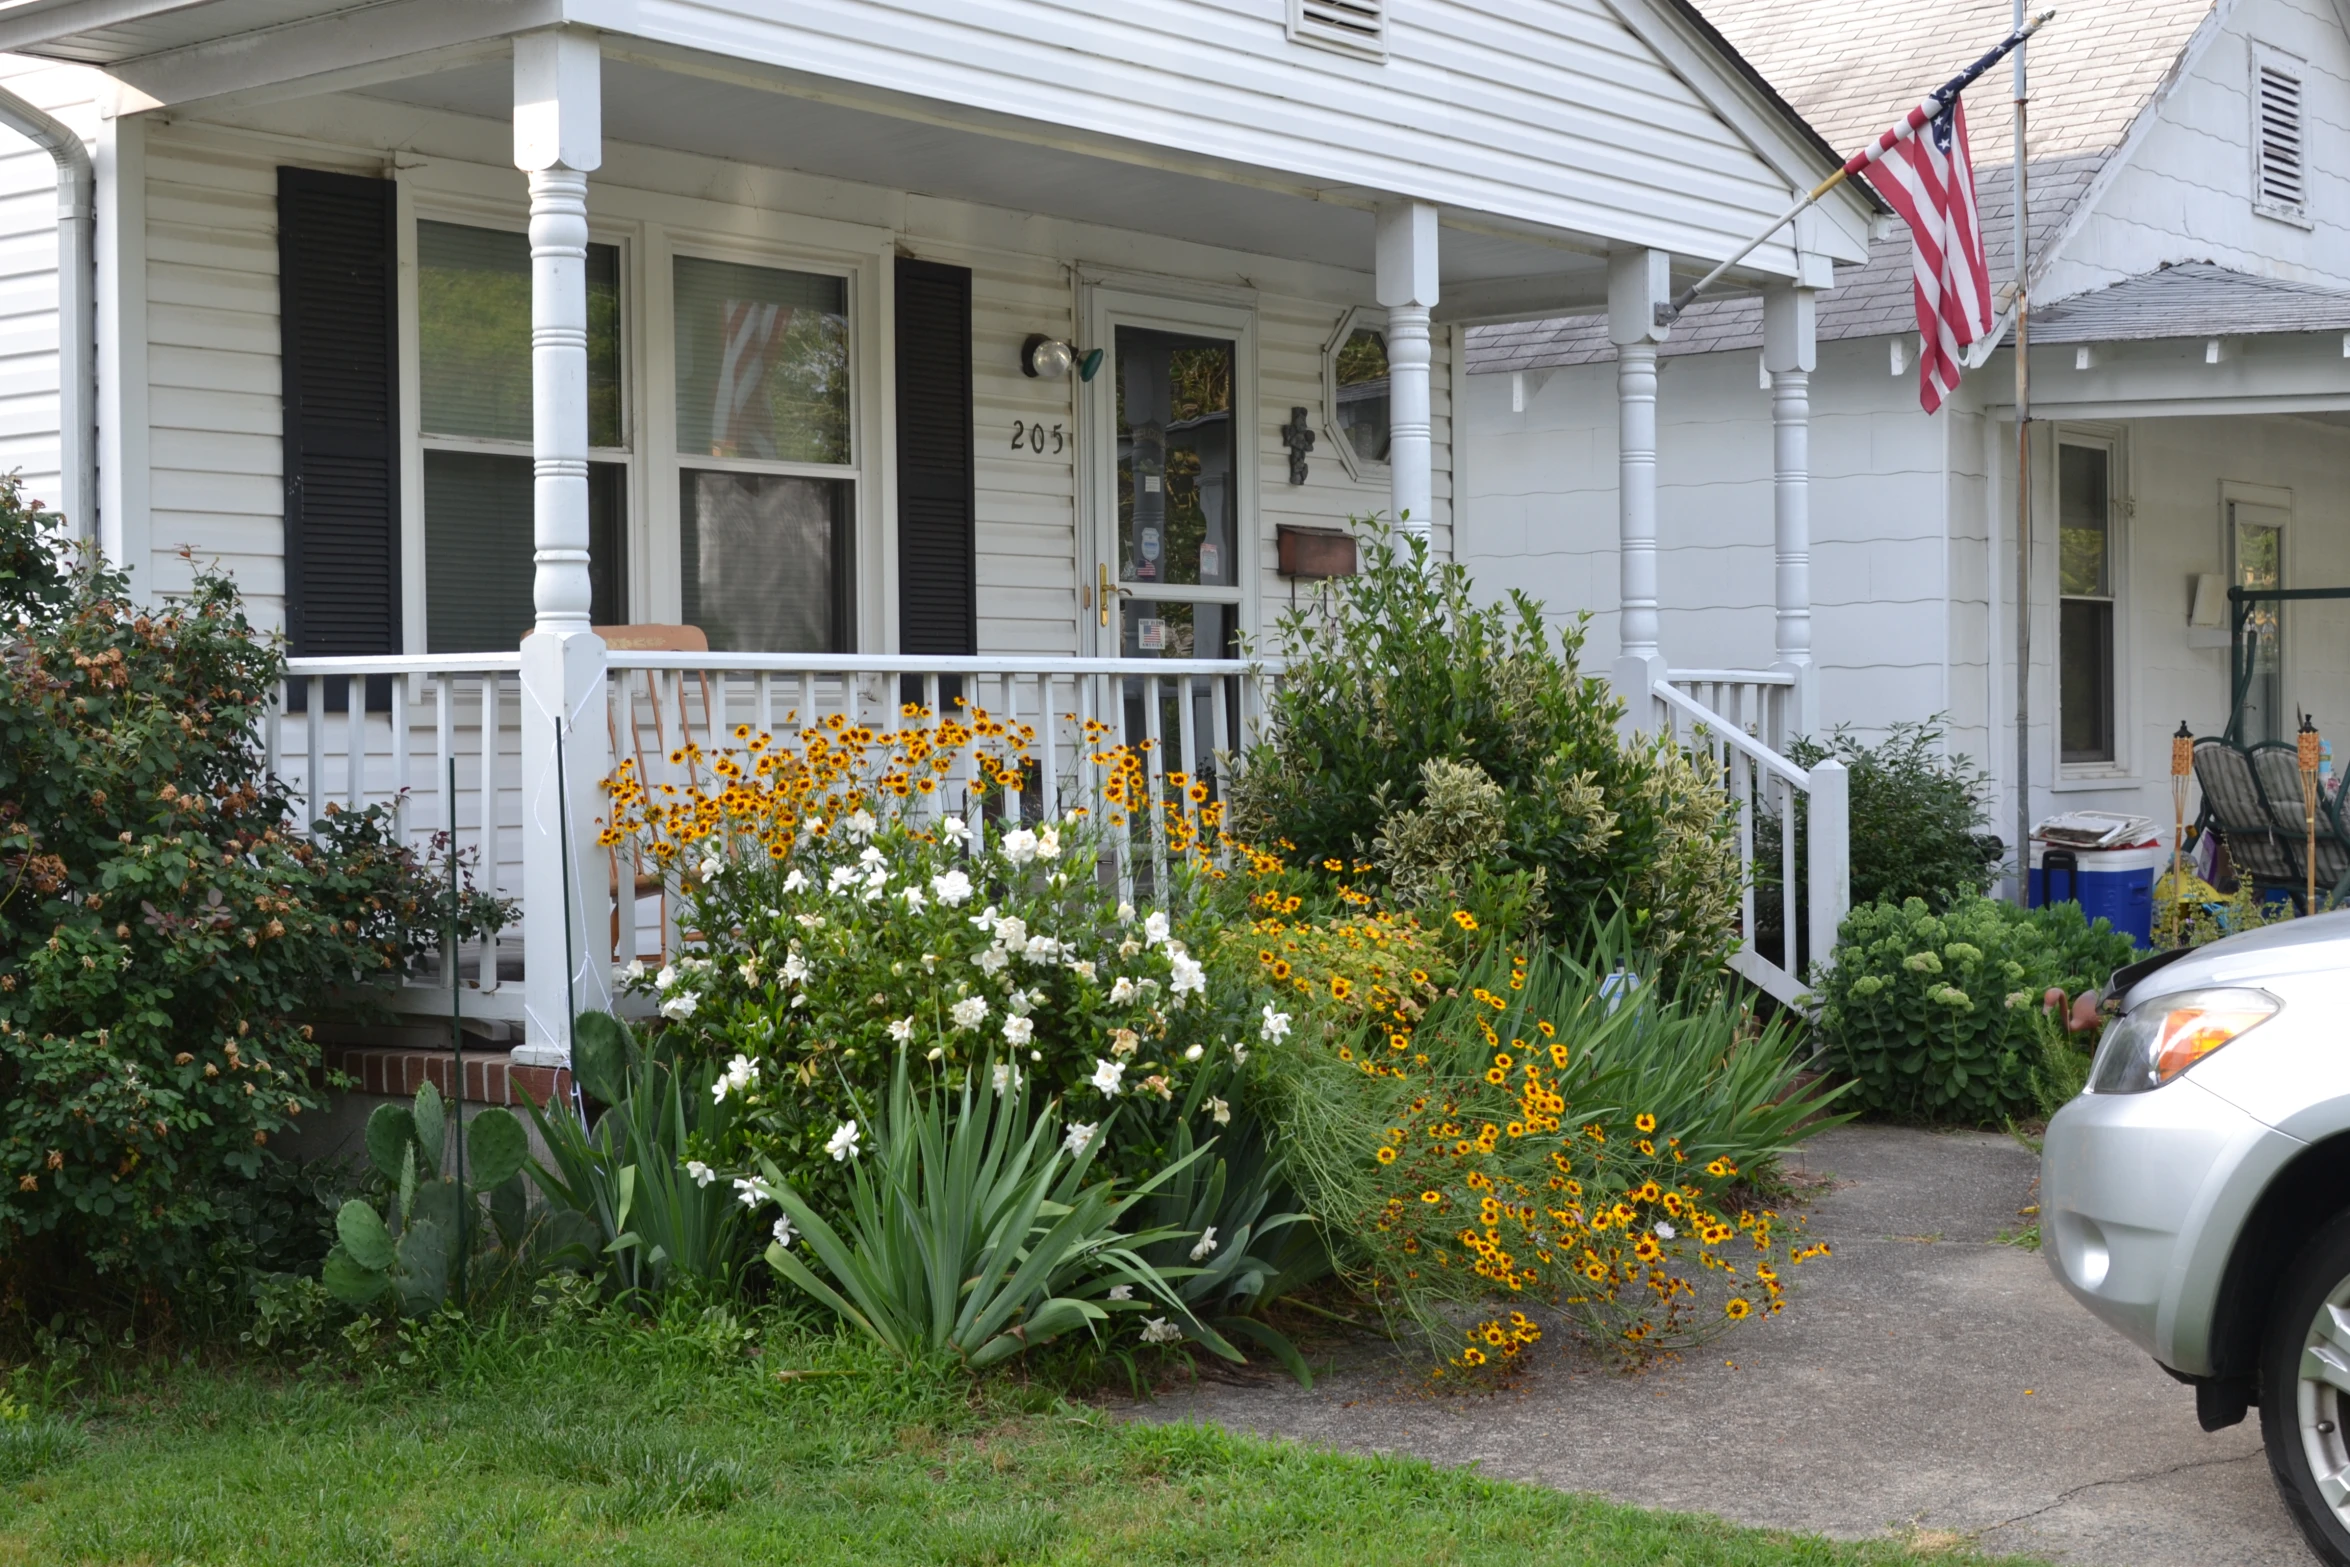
584 1446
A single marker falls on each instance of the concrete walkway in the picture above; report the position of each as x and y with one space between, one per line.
1926 1379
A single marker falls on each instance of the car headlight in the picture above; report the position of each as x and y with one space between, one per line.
2163 1037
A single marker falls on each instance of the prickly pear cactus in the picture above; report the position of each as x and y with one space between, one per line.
414 1254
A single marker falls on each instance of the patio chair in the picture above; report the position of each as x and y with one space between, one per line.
667 729
2253 796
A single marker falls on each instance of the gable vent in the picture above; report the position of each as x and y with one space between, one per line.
1350 26
2280 186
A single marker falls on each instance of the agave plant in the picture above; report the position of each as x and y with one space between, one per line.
972 1230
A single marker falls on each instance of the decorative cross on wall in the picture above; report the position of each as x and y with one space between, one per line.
1299 440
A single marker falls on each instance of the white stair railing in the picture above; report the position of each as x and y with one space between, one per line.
1763 783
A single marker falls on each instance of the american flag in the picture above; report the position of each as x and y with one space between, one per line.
1930 180
754 333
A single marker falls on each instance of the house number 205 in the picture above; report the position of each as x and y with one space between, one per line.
1031 438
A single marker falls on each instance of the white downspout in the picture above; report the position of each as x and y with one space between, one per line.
77 321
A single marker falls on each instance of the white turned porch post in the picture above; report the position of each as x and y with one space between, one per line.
1790 354
558 138
1405 282
1637 282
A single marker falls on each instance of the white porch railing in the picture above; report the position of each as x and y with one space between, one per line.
438 738
1763 783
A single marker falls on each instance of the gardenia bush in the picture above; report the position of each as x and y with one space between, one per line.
1931 1014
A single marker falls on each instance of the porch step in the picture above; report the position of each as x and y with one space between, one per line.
491 1076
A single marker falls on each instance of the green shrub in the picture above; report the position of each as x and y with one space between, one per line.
1930 1014
166 935
1403 669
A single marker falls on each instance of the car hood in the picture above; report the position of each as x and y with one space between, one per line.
2303 946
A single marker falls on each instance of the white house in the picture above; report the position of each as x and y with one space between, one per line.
453 325
2190 398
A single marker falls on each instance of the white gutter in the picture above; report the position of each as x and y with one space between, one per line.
77 321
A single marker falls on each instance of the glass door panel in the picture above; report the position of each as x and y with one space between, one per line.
2257 541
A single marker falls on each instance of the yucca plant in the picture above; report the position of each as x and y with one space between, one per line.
972 1231
640 1218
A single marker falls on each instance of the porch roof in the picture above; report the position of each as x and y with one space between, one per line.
2192 299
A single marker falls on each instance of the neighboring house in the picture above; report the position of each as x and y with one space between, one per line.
2190 386
749 347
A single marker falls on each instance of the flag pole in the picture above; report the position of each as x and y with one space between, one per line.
1928 109
2023 488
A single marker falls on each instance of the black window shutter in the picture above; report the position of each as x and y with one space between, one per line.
938 574
337 312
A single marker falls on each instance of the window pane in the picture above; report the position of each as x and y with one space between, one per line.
2083 520
766 561
473 333
1362 393
2085 690
1177 499
2260 563
762 363
477 550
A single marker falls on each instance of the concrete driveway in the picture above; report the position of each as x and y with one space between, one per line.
1926 1379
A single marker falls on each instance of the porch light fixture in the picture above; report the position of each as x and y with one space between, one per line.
1049 358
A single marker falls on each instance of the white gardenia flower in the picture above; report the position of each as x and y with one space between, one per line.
1188 978
953 889
739 1075
711 867
1018 1030
1121 1292
1108 1075
953 830
750 971
1206 1246
913 899
1239 1051
969 1012
1194 1053
842 1144
797 881
701 1173
1221 1111
1011 933
1125 913
635 970
842 876
1019 845
1041 949
1048 844
750 1191
1156 929
859 825
783 1232
1007 1078
1080 1134
680 1006
871 856
795 967
1082 968
666 978
1664 1231
1122 991
902 1029
1275 1028
1158 1330
991 961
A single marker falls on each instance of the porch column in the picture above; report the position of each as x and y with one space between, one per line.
558 138
1405 282
1638 281
1790 354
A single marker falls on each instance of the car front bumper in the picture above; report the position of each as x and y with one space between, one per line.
2141 1198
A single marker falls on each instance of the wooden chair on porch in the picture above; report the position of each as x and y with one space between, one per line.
669 729
2252 796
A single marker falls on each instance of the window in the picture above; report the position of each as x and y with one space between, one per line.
474 391
766 483
2256 549
2279 179
1354 373
1349 26
2085 576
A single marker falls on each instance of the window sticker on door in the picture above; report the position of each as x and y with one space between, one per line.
1150 635
1211 562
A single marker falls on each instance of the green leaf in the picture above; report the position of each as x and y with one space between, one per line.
349 1282
389 1130
365 1239
603 1054
424 1254
432 1127
496 1147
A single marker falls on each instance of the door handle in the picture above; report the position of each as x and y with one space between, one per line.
1107 592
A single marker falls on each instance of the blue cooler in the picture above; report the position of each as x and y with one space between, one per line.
2115 885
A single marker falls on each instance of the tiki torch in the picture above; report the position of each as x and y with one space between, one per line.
2182 766
2308 742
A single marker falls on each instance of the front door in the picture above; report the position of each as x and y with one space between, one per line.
2256 545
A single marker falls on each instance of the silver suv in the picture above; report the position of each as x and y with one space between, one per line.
2197 1196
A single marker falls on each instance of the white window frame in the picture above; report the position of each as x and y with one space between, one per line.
2234 493
2264 58
1164 305
433 205
2111 439
1362 470
874 615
